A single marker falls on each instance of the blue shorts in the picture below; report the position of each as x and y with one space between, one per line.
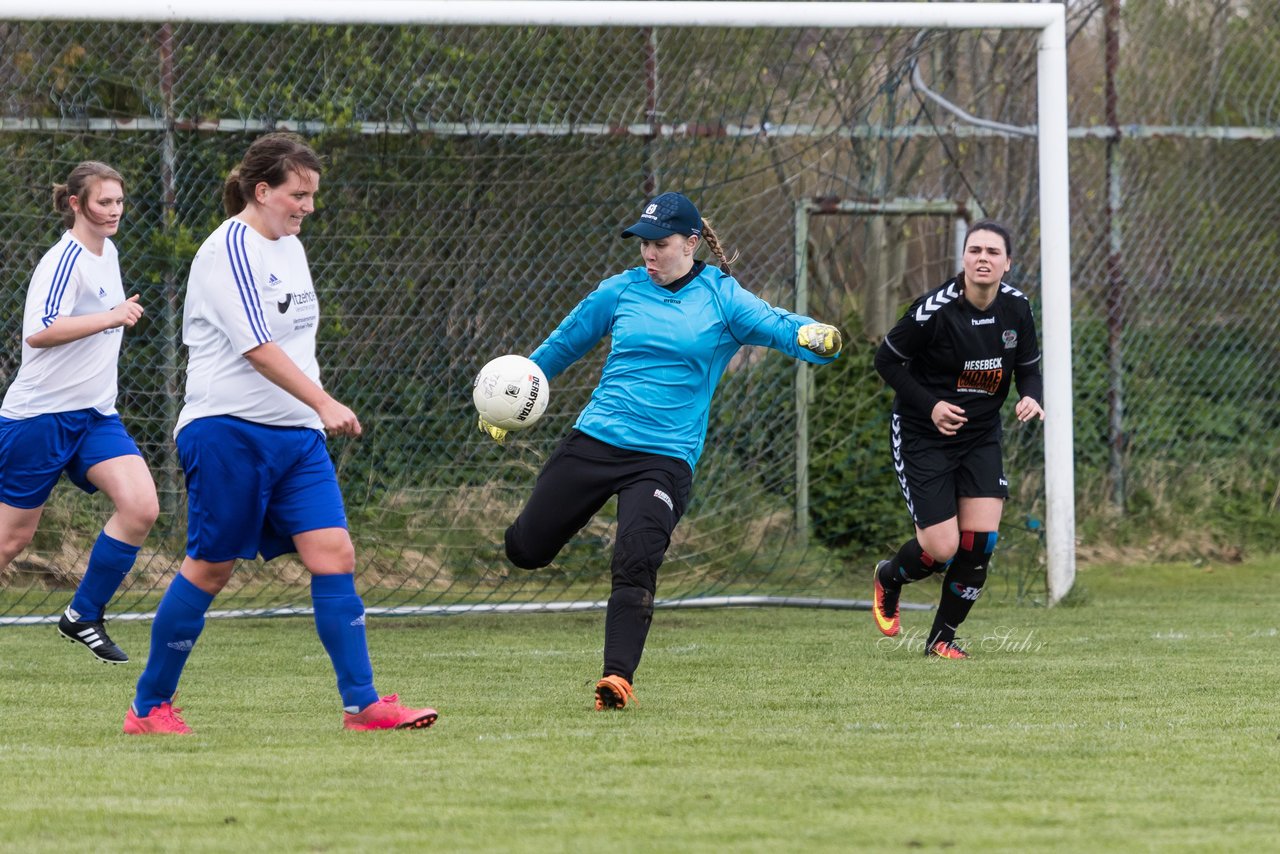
251 487
35 451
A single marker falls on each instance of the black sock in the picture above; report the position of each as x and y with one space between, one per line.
626 625
911 563
962 585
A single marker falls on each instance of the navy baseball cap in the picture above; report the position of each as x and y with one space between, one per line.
665 215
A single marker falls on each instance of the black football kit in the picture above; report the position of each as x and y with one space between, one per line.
944 348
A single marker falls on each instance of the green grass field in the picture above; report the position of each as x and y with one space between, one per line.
1143 717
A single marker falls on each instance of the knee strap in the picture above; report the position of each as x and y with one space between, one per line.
976 548
968 571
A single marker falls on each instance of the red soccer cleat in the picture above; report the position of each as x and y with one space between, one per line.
945 649
387 713
162 720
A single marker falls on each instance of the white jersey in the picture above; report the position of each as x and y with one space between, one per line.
244 291
69 281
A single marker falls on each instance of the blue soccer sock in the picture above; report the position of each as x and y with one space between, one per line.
340 623
179 621
109 562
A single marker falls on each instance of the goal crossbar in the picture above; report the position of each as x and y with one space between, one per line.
570 13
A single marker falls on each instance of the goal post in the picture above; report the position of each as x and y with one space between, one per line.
1047 20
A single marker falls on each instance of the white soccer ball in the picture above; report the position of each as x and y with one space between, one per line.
511 392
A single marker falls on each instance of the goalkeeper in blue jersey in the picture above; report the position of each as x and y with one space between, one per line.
673 325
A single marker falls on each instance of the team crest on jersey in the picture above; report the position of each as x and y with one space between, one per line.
1010 338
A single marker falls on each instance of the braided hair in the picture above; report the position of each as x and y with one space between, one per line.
713 243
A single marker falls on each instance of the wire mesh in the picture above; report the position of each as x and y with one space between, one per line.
476 180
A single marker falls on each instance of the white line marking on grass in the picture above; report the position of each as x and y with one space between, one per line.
512 608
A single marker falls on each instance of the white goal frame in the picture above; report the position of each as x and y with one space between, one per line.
1049 19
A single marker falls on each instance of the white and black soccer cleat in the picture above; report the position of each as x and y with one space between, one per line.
92 635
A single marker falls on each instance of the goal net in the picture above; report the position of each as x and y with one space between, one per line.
477 177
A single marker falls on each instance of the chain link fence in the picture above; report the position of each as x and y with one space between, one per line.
476 181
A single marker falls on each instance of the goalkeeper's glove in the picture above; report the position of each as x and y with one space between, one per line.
497 434
821 338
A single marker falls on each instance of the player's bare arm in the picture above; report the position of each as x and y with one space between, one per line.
274 364
66 328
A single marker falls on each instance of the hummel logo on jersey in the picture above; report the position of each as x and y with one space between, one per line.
983 321
358 621
283 305
182 645
664 498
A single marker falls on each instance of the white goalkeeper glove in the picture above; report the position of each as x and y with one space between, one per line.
497 434
821 338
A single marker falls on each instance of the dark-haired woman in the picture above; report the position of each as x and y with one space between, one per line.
251 439
59 414
673 323
951 359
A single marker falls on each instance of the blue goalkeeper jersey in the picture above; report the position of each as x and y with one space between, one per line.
667 354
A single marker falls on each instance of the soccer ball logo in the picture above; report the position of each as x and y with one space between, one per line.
511 392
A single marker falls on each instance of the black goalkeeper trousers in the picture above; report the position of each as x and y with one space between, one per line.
579 477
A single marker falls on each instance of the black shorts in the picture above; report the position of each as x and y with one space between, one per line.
583 473
935 470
